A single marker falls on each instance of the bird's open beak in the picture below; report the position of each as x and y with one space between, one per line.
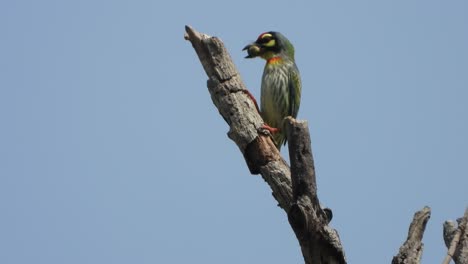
253 50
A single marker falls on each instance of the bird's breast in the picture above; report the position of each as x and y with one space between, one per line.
275 93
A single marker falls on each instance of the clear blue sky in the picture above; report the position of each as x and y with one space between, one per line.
111 150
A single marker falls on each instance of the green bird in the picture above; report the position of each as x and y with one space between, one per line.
281 82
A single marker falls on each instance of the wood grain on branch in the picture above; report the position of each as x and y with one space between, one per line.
319 242
411 251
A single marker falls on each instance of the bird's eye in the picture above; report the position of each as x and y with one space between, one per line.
267 40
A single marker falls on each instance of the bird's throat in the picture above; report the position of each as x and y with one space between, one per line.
274 60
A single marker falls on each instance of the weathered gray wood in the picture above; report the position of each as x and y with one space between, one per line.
319 243
411 251
237 109
456 240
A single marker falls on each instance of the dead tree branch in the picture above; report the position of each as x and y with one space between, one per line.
308 220
456 240
411 251
319 242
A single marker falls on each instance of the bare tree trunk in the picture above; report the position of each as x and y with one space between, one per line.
295 189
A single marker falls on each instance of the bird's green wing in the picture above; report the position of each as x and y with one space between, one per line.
294 91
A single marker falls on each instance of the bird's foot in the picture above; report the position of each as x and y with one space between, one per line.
266 128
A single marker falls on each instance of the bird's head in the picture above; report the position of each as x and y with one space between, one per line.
270 44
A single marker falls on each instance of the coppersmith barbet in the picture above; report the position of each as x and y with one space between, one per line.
281 82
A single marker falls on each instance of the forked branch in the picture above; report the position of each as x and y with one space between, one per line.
319 242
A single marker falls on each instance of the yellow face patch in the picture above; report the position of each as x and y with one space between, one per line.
270 43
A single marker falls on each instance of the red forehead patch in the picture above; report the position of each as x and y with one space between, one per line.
261 35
